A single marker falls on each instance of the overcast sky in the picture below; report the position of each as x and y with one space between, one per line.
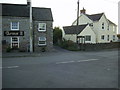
65 11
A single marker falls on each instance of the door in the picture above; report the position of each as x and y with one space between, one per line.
14 42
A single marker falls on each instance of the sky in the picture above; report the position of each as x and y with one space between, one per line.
65 11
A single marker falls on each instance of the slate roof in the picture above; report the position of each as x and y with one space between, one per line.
74 29
22 10
95 17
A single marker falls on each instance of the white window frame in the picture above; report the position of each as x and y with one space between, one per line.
15 41
102 38
88 36
39 24
108 37
103 26
114 37
41 40
11 25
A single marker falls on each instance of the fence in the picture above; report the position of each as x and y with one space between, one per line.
99 46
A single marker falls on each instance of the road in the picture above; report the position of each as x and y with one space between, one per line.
62 69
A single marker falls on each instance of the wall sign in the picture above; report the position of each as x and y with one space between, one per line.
13 33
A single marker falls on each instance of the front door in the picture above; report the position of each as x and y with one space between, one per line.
14 42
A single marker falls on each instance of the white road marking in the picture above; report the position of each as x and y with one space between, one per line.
9 67
77 61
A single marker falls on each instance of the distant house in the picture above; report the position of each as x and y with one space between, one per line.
95 28
16 27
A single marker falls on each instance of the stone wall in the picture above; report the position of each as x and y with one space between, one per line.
99 46
23 26
48 34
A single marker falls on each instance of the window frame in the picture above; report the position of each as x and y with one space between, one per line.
103 25
43 30
42 41
88 39
11 25
114 37
102 37
18 41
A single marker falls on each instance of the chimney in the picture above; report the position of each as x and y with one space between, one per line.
29 2
83 11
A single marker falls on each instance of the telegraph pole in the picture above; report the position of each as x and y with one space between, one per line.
30 32
78 13
77 21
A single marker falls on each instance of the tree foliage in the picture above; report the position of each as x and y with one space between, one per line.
57 35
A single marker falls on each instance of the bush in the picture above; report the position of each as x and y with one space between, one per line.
69 45
8 49
43 49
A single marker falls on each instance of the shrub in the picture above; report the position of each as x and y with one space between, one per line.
43 49
8 49
69 45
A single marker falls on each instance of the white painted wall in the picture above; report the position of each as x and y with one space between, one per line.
88 31
83 19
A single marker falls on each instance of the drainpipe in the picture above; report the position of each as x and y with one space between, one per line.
30 26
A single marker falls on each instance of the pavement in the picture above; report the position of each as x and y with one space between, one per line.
37 54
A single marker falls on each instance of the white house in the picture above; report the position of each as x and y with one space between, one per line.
98 29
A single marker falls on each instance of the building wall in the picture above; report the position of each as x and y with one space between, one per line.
105 31
71 37
48 34
83 19
24 44
88 31
23 26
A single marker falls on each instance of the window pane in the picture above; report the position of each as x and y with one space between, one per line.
42 27
15 25
87 38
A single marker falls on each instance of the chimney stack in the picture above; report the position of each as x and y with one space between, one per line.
29 2
83 11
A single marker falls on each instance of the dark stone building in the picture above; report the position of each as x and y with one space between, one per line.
16 28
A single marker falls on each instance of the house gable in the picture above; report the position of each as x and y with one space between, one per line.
83 19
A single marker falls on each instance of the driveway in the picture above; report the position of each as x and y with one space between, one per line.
62 69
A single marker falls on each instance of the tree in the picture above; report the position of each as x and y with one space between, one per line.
57 35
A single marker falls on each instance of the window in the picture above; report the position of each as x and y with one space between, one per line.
102 37
108 37
108 27
42 41
113 37
15 42
88 38
103 25
14 25
113 28
42 27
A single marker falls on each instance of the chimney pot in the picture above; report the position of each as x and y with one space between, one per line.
83 11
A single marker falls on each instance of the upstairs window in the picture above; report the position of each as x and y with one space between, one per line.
42 41
87 38
42 27
108 27
103 25
14 25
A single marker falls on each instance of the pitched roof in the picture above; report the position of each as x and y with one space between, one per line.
74 29
18 10
95 17
22 10
42 14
